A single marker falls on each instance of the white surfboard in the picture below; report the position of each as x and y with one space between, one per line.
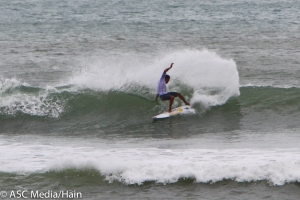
176 111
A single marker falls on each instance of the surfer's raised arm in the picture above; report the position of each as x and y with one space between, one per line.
169 68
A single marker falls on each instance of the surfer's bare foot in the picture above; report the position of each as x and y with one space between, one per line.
187 103
170 110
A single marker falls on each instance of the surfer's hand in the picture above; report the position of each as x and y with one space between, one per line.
169 68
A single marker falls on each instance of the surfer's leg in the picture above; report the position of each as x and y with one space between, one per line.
171 103
183 99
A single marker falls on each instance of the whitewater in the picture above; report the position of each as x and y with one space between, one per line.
161 165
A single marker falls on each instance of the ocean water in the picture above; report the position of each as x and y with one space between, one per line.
77 87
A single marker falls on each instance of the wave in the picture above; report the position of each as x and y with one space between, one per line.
68 109
119 89
65 101
164 166
270 98
203 77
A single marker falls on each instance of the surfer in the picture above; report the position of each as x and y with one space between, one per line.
162 90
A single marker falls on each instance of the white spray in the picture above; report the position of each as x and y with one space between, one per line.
212 79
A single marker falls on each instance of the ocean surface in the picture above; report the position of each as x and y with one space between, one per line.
77 88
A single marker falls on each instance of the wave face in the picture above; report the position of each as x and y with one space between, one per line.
77 107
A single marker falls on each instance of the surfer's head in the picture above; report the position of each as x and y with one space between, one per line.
167 78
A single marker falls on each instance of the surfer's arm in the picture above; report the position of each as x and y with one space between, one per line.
156 97
169 68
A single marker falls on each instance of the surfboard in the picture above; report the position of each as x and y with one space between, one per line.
175 111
